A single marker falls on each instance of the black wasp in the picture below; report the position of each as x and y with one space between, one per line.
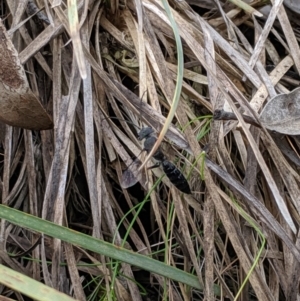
130 177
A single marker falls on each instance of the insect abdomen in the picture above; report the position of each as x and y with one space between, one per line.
176 177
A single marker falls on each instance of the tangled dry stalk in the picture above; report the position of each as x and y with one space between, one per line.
242 217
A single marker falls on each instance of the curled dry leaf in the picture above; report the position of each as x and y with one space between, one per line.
18 105
293 5
282 113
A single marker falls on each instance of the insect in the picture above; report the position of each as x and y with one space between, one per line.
130 175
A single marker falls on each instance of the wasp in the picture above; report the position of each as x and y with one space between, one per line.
130 177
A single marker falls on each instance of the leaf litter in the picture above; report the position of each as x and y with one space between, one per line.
235 63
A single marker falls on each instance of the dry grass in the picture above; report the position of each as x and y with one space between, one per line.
245 188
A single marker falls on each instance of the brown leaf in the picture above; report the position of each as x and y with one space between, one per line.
282 113
18 106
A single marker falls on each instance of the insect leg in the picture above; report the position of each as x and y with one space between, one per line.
157 164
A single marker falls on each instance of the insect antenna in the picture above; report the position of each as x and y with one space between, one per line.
128 121
120 119
130 132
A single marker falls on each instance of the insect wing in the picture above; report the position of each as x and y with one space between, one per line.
131 175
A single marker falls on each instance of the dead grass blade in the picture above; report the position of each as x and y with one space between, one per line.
263 36
75 36
234 62
209 216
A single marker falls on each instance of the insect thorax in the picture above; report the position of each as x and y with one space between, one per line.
149 143
145 132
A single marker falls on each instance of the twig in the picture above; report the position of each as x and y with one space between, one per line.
223 115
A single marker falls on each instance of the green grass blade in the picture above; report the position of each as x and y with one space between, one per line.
29 286
98 246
